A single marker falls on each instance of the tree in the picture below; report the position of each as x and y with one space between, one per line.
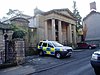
77 15
13 12
79 26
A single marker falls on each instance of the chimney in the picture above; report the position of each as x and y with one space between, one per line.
93 5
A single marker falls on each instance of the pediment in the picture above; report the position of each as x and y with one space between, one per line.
62 12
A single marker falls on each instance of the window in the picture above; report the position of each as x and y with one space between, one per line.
44 44
50 45
56 44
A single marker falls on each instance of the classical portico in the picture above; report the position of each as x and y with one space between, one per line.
60 31
58 25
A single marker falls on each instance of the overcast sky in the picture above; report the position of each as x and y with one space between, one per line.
27 6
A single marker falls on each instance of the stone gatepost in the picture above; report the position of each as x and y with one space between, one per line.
20 51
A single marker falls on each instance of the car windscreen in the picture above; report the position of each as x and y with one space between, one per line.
56 44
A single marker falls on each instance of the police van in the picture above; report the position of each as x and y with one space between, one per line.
53 48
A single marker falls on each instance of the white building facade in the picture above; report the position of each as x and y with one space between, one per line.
57 25
92 25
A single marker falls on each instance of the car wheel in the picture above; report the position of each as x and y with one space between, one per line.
90 47
41 53
58 55
69 56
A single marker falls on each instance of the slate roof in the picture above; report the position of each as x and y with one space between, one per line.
91 13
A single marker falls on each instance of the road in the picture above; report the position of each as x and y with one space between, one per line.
78 64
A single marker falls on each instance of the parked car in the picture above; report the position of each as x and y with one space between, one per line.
54 48
84 45
95 62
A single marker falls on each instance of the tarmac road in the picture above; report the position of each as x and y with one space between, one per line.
77 64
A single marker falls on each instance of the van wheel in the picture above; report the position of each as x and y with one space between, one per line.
69 56
41 53
90 47
58 55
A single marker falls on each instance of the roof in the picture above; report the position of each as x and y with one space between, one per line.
57 11
18 19
19 16
91 13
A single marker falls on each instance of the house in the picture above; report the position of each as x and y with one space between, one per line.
91 24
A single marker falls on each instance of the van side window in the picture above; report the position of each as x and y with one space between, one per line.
50 45
40 43
44 44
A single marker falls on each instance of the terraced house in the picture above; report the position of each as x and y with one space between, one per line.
92 25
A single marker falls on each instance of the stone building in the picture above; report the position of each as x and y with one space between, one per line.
4 29
22 23
91 24
57 24
13 50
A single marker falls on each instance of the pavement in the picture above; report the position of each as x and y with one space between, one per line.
33 64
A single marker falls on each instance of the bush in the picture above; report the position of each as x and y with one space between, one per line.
18 34
31 51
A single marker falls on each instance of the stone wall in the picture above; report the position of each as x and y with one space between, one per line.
20 51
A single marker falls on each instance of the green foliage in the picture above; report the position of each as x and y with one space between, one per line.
19 32
77 15
18 28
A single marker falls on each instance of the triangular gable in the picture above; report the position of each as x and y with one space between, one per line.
63 12
91 13
66 12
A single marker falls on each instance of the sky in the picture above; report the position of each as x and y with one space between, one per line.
28 6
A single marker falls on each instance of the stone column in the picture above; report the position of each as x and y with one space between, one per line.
74 33
60 31
53 29
70 34
46 31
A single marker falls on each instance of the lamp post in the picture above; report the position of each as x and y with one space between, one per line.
6 46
